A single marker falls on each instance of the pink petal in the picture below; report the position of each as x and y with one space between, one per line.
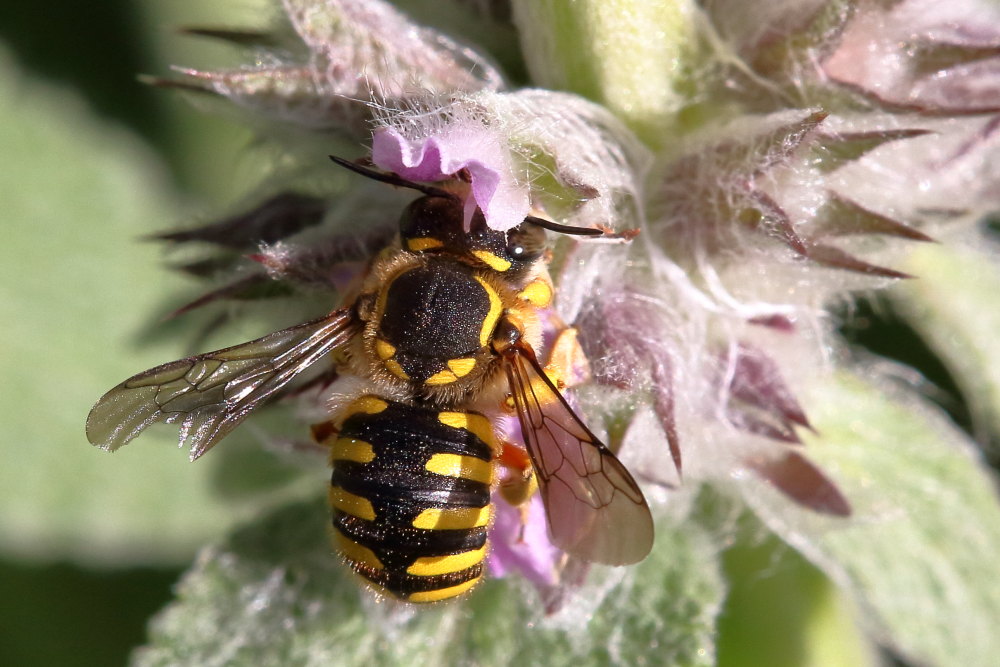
530 553
468 146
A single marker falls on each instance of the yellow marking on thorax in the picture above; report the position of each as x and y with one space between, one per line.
423 243
462 518
429 566
538 293
462 367
349 449
496 309
478 425
396 369
443 593
489 259
384 349
462 467
348 503
358 553
441 377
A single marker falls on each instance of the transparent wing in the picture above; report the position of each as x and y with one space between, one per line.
594 507
210 394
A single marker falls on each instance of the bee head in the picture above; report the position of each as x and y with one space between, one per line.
436 224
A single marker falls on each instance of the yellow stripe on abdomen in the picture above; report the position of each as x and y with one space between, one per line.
443 593
429 566
462 467
358 554
474 423
348 503
349 449
369 405
462 518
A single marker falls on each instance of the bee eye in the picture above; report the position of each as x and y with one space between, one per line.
525 243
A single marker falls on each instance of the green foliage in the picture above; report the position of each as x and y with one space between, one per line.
77 191
623 54
918 559
952 306
782 610
67 615
919 554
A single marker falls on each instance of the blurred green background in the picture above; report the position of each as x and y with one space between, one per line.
93 161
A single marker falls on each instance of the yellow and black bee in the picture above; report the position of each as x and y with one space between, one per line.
441 335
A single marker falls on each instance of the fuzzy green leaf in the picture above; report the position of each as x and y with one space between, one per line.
952 305
275 595
918 556
76 288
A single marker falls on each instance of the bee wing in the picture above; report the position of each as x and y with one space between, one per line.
594 507
210 394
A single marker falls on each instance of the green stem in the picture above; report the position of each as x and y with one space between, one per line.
629 55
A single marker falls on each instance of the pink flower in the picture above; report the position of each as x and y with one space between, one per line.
523 548
468 146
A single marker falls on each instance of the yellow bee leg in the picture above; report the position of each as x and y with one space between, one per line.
538 292
567 364
519 483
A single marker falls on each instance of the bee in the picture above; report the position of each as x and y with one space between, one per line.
441 331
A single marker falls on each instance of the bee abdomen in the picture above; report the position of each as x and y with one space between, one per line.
410 493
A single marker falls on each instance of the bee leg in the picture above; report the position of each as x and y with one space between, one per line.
567 364
301 447
311 446
324 434
538 293
518 483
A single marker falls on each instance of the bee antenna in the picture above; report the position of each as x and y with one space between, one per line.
393 179
563 229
